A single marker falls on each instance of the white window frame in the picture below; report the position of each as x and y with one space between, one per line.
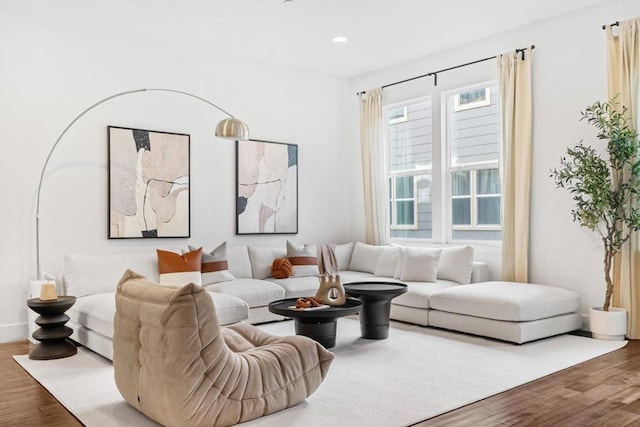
446 168
473 168
475 104
394 206
400 119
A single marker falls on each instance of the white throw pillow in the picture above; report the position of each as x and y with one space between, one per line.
387 262
420 265
239 262
400 263
303 259
365 257
262 258
215 268
456 264
343 255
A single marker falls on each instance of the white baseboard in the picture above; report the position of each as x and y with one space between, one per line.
13 332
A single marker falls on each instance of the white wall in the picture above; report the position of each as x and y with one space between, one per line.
569 73
53 68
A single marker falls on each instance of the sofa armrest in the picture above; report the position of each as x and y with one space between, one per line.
479 272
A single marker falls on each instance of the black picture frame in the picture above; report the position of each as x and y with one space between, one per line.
149 184
266 187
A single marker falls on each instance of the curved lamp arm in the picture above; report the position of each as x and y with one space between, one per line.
229 128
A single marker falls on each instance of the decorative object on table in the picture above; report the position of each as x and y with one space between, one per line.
281 268
604 191
327 285
52 334
267 187
319 325
376 305
309 303
149 184
228 128
48 292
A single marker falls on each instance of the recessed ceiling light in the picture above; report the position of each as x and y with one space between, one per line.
339 39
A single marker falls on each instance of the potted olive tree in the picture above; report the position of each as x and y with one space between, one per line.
606 192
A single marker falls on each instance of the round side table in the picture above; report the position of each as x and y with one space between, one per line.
376 305
52 334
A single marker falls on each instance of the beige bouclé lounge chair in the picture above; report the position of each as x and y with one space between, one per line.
175 364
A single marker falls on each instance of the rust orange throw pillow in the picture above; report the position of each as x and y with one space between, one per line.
178 270
281 268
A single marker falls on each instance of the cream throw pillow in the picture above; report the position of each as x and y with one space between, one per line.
215 268
303 259
387 262
365 257
456 264
420 265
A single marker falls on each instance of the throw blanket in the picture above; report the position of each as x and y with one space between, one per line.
327 261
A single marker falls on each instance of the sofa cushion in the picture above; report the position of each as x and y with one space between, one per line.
506 300
256 293
178 270
419 264
387 262
262 258
456 264
215 267
354 276
95 312
239 262
343 255
296 287
94 274
304 259
418 293
365 257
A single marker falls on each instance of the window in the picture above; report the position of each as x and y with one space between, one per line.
398 115
409 157
472 99
466 190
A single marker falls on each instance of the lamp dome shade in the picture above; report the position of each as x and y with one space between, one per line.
232 128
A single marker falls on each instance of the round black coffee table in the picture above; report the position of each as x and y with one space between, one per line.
319 324
376 304
52 332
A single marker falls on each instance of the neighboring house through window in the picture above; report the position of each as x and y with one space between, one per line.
469 184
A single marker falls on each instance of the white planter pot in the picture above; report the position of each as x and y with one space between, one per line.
608 325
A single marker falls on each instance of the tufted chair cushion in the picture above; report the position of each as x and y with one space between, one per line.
175 364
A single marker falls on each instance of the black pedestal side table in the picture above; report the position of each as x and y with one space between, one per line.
376 305
319 325
52 334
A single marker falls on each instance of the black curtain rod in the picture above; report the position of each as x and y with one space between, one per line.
435 73
615 24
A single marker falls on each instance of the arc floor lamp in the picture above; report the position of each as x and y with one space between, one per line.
228 128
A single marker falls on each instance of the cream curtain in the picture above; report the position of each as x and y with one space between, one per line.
514 74
623 72
371 140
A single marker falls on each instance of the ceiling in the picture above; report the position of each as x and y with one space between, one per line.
298 33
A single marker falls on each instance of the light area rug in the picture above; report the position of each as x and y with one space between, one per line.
416 373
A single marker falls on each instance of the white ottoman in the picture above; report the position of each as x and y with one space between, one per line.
509 311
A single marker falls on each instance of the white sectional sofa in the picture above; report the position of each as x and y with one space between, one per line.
457 296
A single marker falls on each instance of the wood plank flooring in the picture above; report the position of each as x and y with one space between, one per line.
24 402
601 392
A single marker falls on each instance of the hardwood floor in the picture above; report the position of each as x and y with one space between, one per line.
601 392
24 402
